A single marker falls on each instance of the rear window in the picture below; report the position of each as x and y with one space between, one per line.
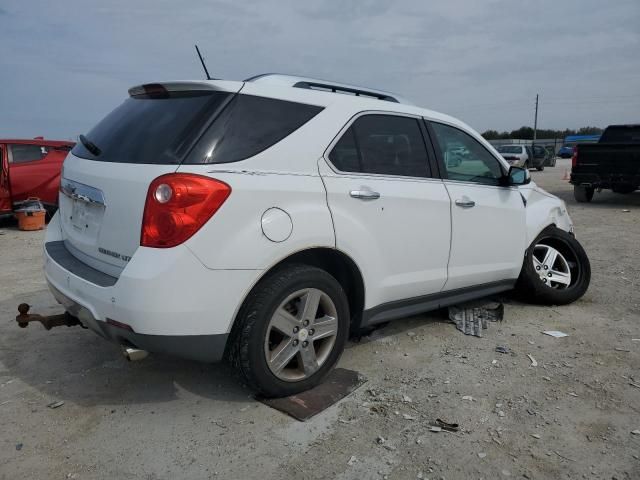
630 134
148 129
510 149
249 125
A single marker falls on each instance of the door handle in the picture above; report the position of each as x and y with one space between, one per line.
364 194
465 203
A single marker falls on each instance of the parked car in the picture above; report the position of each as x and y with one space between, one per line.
31 168
566 151
550 160
540 156
612 163
262 221
521 156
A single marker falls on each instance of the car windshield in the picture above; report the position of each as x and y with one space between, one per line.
510 149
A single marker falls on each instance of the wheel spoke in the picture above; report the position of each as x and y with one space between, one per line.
324 327
284 321
560 277
550 257
311 304
309 360
283 354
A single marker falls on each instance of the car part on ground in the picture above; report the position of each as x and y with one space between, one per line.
556 269
473 317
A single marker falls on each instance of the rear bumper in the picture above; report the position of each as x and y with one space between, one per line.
604 180
170 301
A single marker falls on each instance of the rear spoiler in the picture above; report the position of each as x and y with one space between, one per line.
163 88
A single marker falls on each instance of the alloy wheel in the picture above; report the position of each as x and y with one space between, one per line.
552 267
301 334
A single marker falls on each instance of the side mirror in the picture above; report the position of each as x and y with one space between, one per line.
518 176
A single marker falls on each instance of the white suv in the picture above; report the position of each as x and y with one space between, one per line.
261 221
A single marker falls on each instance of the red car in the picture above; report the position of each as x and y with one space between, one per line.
31 168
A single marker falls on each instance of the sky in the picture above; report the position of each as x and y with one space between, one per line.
67 64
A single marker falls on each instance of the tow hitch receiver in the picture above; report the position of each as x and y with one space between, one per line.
48 322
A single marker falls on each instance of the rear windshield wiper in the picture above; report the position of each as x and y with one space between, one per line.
89 145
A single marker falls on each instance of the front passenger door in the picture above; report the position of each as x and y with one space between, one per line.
488 230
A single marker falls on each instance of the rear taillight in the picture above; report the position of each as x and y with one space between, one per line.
177 206
574 157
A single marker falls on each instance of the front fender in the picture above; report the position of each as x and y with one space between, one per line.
544 209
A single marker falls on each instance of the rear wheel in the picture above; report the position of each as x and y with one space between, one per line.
582 194
291 331
556 269
540 168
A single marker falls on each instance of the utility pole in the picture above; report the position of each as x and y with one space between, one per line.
535 122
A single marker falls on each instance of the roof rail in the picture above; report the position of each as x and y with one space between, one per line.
324 86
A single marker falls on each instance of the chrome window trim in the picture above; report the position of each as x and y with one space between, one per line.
80 191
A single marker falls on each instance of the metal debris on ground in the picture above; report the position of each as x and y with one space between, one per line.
352 460
555 333
56 404
473 317
340 383
534 363
451 427
435 429
503 349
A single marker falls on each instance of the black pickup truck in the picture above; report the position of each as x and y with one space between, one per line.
612 163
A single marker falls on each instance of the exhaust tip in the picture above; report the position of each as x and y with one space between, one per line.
134 354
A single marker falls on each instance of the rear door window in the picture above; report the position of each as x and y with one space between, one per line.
19 153
383 145
248 125
158 129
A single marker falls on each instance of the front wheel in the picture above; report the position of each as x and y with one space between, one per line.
582 194
540 168
556 269
291 331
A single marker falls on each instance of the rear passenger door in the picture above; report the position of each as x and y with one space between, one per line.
389 212
488 229
28 170
5 191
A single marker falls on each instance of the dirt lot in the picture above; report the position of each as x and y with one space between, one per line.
569 417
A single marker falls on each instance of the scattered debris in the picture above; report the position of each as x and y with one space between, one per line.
503 349
406 416
380 440
352 461
468 397
535 435
533 361
482 454
634 384
562 456
619 349
56 404
435 429
626 210
555 333
406 399
548 379
451 427
635 432
573 394
391 448
473 317
19 446
501 413
411 334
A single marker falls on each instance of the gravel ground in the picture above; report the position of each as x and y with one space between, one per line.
572 416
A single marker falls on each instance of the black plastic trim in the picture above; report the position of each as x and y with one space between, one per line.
59 254
413 306
338 89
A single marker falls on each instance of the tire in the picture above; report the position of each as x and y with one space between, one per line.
540 168
554 279
624 188
255 336
582 194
